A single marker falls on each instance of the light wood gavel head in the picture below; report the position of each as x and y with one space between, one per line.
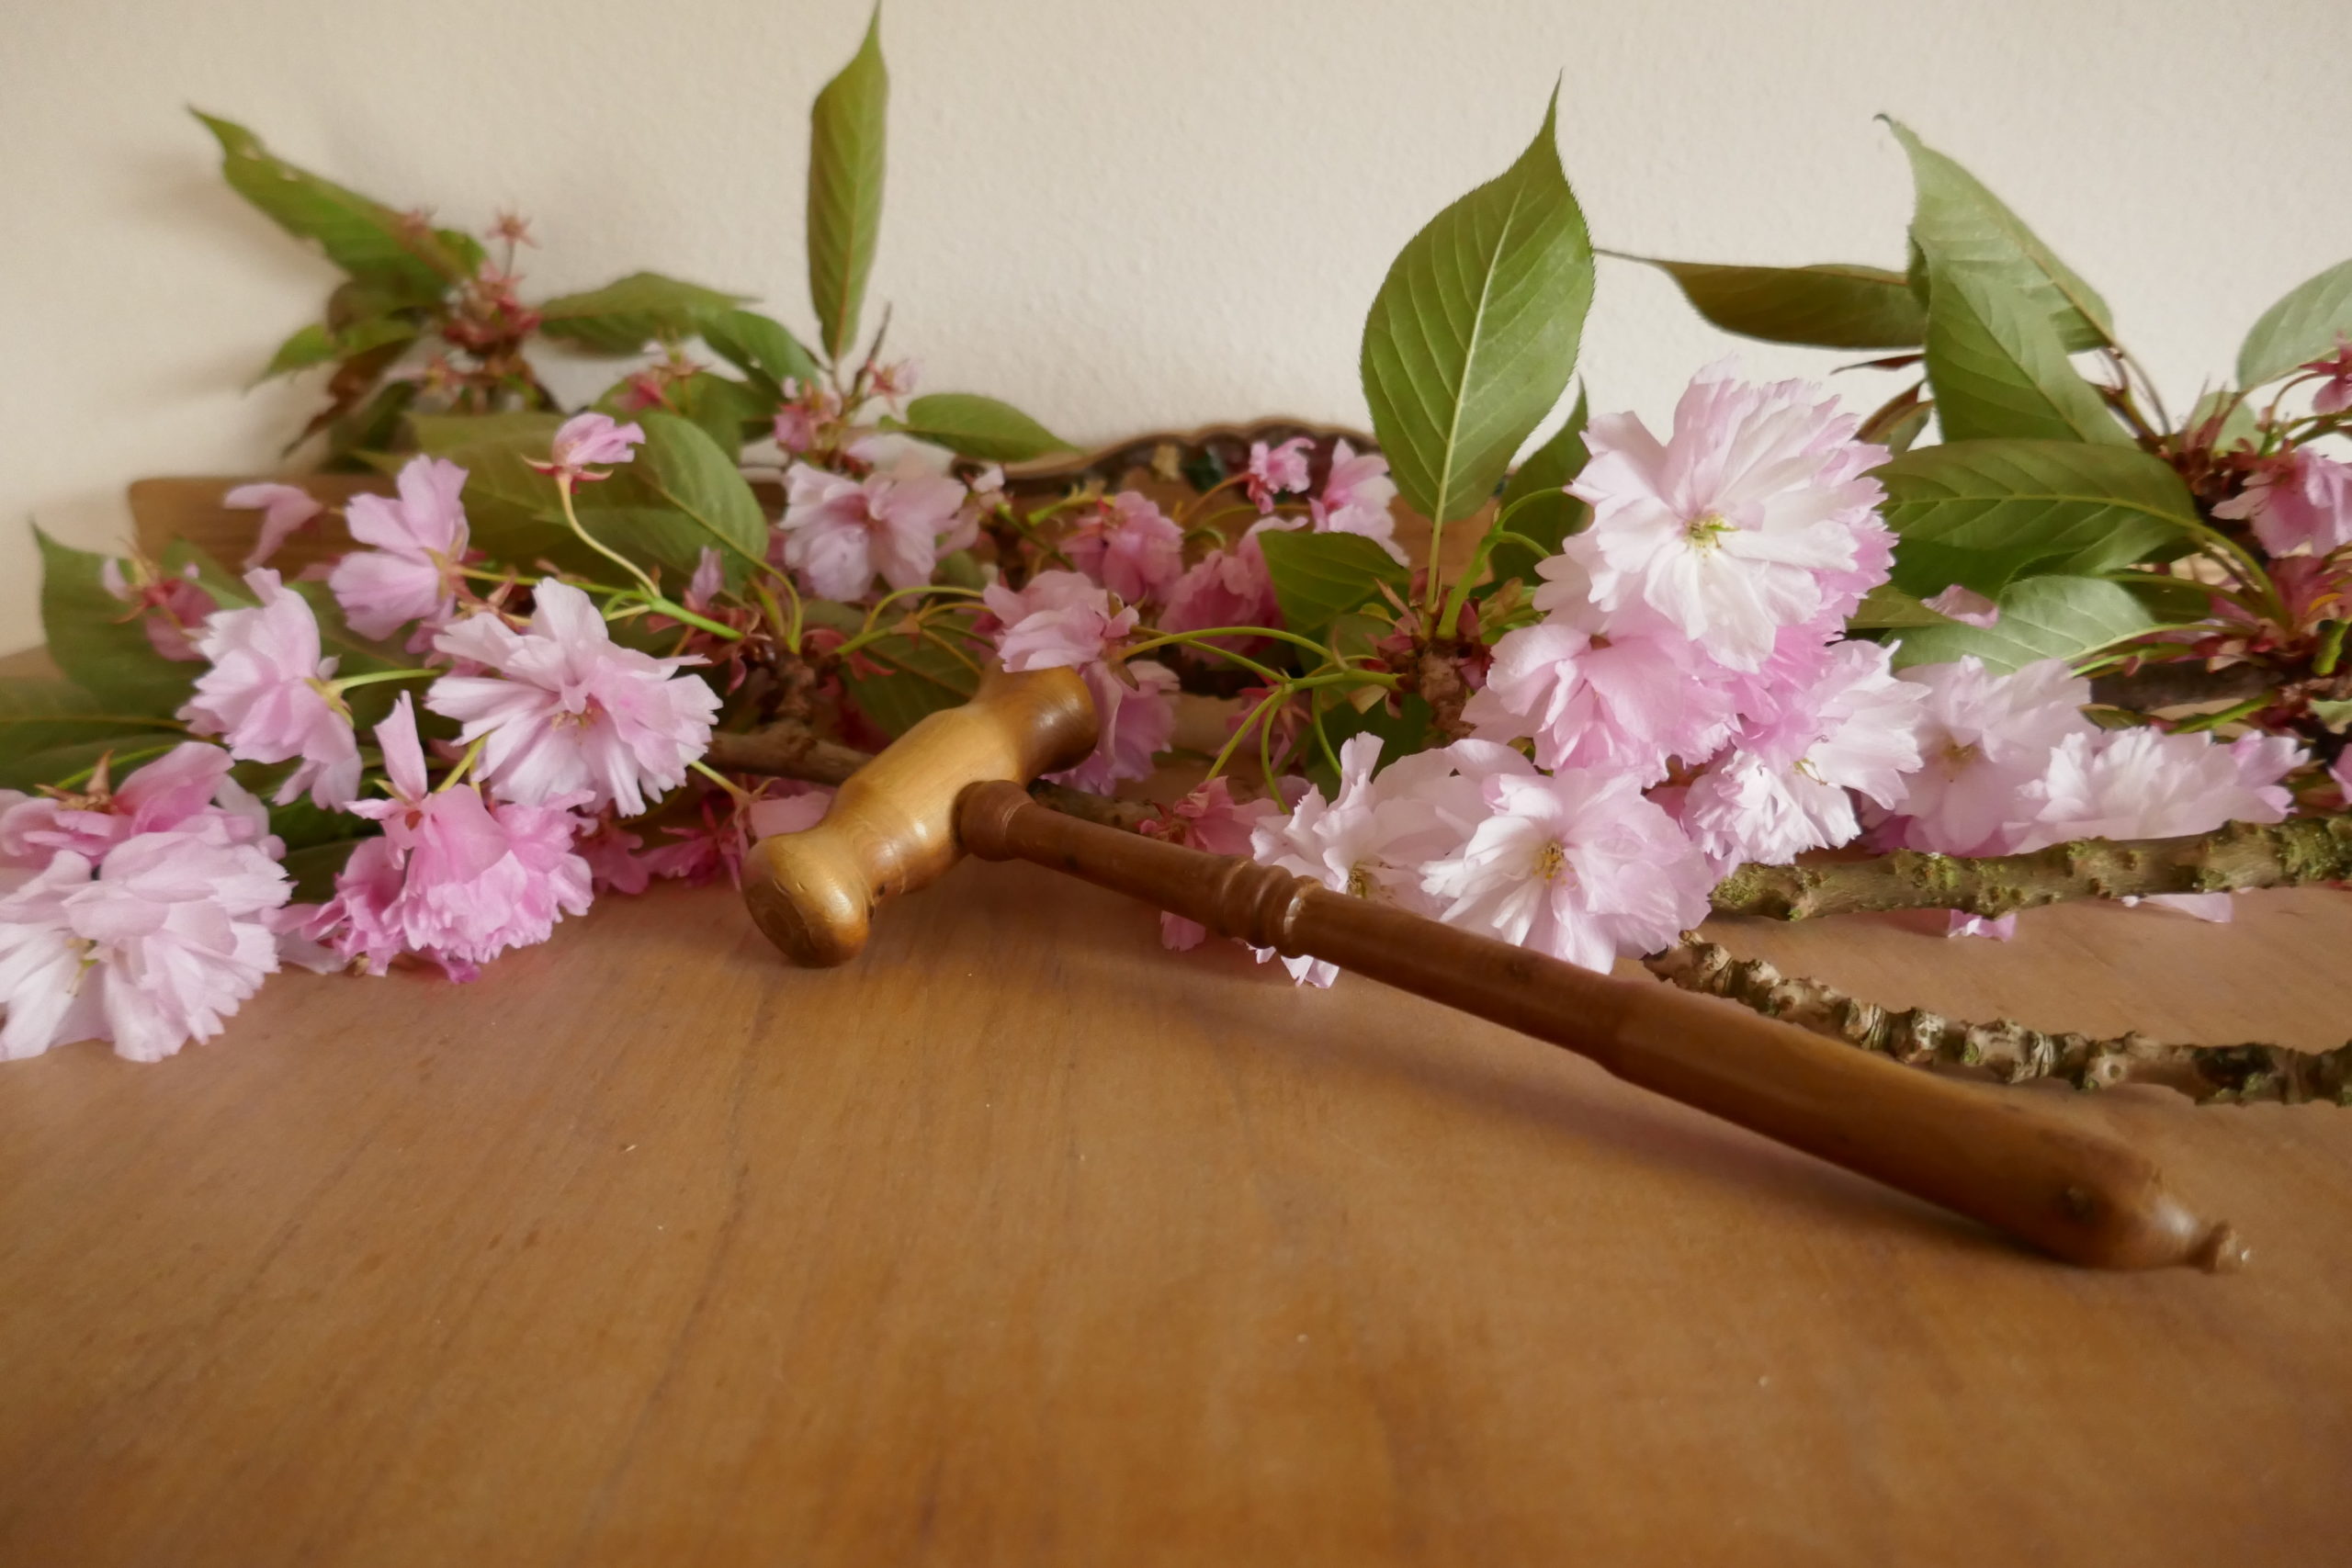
892 828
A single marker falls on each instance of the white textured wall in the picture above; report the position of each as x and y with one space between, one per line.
1116 215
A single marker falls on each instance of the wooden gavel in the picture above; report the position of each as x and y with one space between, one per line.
955 783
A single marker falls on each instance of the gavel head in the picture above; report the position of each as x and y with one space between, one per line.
892 828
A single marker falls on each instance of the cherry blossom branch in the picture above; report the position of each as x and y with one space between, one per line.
2207 1073
2292 854
2180 684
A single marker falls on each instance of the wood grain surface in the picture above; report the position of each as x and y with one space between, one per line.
1019 1241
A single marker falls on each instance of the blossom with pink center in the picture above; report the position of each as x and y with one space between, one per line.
587 442
1789 785
1138 721
150 947
1227 588
895 382
1355 499
188 783
1210 820
1129 546
410 572
1368 841
453 878
1983 738
284 508
2146 783
1729 527
839 533
1277 470
1621 693
172 609
709 577
1576 864
1058 620
267 694
2300 501
570 711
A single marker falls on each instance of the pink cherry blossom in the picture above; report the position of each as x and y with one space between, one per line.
1226 587
1355 499
172 609
1728 527
284 508
1621 693
267 694
185 786
709 577
1368 841
1212 820
1965 605
1129 546
2300 501
150 947
2340 771
570 711
417 543
586 442
453 878
1277 470
2145 784
1577 864
1058 620
839 533
1137 723
1983 738
1788 785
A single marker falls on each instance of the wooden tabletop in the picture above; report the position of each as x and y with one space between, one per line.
1022 1241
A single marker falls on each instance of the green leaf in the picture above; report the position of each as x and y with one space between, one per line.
98 641
315 345
728 411
2042 617
1960 226
761 347
980 427
1319 576
916 678
686 469
1828 305
50 730
845 141
2304 325
1534 505
623 316
1998 370
1982 513
1473 336
1887 605
313 868
364 237
447 434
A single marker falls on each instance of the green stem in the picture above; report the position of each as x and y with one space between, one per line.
563 494
346 682
740 796
465 765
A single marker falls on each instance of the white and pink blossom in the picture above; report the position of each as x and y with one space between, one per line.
1277 470
172 609
416 544
1128 545
569 711
150 947
1355 499
2146 783
1138 720
587 442
2301 500
1577 864
268 696
1983 738
1732 526
839 533
1058 619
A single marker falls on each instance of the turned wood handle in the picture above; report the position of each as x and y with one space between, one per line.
2078 1195
892 827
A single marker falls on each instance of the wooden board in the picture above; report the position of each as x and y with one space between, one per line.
1023 1242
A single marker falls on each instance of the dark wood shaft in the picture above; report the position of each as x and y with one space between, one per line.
2077 1195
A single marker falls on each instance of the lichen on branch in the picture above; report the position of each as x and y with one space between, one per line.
2011 1051
2237 855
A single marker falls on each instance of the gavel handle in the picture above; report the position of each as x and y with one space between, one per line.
2074 1194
